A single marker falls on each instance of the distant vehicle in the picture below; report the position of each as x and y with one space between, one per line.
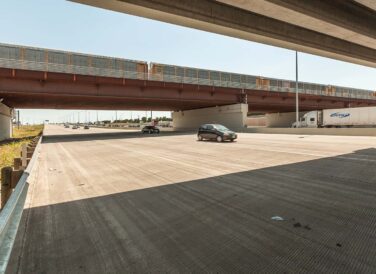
150 129
342 117
66 126
74 127
215 132
86 127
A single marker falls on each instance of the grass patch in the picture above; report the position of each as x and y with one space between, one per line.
10 149
27 131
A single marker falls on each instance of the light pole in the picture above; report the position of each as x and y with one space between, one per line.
296 90
18 119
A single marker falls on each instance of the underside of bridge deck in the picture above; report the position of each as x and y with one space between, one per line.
33 89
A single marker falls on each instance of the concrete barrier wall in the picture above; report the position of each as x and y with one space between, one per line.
256 121
284 119
315 131
5 122
231 116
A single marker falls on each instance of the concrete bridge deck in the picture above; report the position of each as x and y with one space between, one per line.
341 30
129 203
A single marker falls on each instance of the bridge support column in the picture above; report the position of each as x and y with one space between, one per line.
232 116
5 122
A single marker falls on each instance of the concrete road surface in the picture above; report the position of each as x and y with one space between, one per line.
120 202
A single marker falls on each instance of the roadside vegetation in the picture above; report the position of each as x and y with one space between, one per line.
10 149
27 131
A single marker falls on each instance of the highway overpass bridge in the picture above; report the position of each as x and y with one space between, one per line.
339 29
50 79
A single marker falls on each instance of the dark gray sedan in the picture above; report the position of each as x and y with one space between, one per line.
216 132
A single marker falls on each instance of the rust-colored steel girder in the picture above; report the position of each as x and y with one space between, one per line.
35 89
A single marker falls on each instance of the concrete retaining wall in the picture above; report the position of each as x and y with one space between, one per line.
284 119
5 122
315 131
231 116
256 121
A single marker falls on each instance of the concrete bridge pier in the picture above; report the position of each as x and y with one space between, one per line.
6 129
231 116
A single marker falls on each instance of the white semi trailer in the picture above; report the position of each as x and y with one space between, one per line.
342 117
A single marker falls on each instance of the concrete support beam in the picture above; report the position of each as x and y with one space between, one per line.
368 3
5 122
346 20
232 116
233 19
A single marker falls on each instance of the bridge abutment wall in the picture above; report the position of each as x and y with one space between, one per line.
283 119
5 122
232 116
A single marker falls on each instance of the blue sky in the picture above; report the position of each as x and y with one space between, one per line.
64 25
